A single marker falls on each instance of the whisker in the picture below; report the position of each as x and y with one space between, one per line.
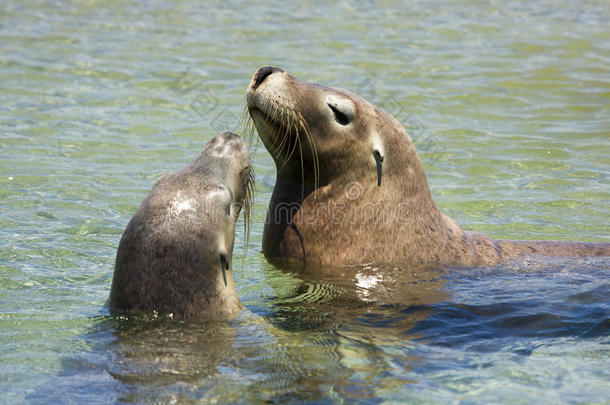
281 138
314 150
290 124
298 139
245 121
248 204
286 139
293 147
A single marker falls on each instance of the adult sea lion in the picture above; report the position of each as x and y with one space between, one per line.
351 189
175 254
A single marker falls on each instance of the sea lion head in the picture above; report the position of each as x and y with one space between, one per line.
318 134
225 163
175 256
348 176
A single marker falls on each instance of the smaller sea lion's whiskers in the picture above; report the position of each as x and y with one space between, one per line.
248 204
245 119
247 123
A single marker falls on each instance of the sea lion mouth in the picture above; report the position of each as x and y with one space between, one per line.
280 125
279 119
271 119
269 114
280 129
255 111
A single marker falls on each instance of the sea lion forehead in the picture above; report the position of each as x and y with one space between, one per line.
332 95
350 106
336 98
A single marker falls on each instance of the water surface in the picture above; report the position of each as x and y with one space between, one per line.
508 105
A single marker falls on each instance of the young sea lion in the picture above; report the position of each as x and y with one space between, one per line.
175 255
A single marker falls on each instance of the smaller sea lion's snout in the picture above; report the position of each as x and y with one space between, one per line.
261 74
235 141
227 137
229 143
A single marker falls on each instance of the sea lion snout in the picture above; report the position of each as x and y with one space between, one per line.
261 74
229 136
229 145
226 138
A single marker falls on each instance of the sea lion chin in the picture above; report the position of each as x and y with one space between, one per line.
351 188
175 255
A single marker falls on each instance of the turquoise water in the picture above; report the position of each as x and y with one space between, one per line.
508 105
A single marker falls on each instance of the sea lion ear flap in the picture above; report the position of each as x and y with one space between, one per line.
378 155
379 163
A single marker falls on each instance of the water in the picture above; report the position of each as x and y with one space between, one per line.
507 103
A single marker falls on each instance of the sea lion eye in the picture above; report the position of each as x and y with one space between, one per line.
340 116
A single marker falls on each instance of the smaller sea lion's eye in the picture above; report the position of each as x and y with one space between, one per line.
340 116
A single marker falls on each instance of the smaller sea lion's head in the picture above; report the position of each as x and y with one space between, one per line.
318 134
225 163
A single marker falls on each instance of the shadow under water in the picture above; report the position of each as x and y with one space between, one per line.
357 321
370 295
355 334
142 358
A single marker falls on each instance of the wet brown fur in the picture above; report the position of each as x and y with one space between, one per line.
168 258
406 227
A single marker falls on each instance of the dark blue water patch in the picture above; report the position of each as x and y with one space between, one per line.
592 296
82 381
490 307
84 376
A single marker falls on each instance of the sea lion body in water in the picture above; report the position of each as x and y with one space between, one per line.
351 188
175 254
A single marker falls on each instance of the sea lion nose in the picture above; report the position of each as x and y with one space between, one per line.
262 74
230 136
232 141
